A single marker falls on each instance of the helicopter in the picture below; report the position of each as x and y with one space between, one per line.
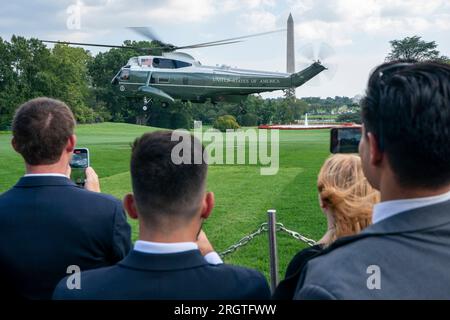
173 75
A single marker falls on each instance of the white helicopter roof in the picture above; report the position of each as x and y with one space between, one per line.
145 61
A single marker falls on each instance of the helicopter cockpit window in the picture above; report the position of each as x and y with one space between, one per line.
182 64
146 62
133 61
125 74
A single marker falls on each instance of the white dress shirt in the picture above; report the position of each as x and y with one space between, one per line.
164 248
45 175
387 209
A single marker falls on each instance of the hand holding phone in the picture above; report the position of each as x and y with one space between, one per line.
345 139
79 163
92 183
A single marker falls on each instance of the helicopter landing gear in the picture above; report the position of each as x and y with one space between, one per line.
147 104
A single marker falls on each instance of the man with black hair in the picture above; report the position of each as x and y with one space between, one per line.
405 151
172 258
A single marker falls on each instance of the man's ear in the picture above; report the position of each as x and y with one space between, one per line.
376 156
207 205
130 206
71 143
14 144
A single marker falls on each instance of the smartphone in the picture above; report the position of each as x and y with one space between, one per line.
79 163
345 139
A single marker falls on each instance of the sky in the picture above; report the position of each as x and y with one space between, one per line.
356 33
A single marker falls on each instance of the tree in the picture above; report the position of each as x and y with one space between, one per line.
24 74
28 69
349 117
413 48
69 65
248 120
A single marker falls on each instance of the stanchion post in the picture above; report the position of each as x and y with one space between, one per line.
273 255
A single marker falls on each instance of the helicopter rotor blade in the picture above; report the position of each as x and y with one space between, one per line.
319 52
226 41
325 51
146 32
89 44
149 34
209 45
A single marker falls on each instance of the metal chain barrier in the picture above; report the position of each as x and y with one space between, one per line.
264 227
295 235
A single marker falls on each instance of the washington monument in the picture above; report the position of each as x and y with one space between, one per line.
290 55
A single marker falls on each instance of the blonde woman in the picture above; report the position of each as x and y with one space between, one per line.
346 198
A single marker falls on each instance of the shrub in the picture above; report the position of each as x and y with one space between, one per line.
225 122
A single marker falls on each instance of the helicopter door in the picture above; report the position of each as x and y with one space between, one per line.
185 80
149 78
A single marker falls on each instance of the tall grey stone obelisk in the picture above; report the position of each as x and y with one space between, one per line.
290 54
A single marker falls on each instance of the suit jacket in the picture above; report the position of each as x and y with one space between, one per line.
286 288
406 256
48 223
172 276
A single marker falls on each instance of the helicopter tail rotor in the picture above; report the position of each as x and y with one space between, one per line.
322 53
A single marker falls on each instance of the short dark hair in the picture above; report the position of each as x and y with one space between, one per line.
407 108
161 187
41 128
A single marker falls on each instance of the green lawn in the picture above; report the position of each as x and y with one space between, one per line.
242 194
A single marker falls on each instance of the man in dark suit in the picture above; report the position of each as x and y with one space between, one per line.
405 151
50 227
170 201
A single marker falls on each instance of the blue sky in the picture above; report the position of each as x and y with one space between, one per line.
358 31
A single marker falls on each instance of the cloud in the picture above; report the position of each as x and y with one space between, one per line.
258 21
339 21
143 13
330 32
181 11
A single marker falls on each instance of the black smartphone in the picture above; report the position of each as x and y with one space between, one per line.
345 139
79 163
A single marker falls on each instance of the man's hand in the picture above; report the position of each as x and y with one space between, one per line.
203 244
92 183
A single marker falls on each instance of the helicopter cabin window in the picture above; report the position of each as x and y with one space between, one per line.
170 64
125 74
163 63
182 64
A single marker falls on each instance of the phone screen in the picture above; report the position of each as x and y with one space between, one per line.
345 140
79 163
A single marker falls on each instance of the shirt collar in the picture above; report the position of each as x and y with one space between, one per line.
45 175
160 247
386 209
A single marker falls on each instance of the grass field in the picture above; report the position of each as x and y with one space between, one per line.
242 194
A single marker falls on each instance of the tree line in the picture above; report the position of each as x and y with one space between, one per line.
29 69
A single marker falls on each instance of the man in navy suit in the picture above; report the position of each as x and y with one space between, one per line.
50 227
170 201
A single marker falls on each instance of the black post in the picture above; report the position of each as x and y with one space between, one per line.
273 255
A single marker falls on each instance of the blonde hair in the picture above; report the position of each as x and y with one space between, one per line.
344 189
